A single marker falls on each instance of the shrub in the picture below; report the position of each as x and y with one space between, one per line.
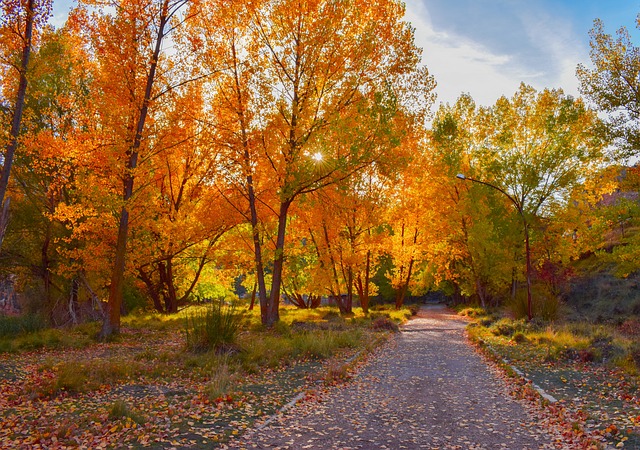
634 353
630 327
222 380
384 324
71 378
15 325
544 305
214 328
519 337
120 410
507 327
474 311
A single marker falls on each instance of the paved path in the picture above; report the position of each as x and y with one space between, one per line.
428 389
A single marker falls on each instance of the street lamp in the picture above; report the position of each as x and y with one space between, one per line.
526 234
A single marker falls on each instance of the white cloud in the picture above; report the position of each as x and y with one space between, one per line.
540 50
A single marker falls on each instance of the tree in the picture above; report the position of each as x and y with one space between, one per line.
45 168
471 249
127 47
538 148
613 84
327 77
17 24
186 215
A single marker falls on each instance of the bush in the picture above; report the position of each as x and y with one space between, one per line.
120 410
212 329
544 305
506 327
384 324
630 327
28 323
475 311
222 380
519 337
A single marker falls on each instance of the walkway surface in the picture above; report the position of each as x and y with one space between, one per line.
427 389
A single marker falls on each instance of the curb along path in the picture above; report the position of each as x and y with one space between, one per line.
426 389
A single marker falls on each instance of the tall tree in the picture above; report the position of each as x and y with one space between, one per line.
18 22
539 146
324 75
614 84
127 45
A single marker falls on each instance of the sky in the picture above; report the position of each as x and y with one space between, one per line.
486 48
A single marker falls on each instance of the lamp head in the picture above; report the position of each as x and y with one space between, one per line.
461 176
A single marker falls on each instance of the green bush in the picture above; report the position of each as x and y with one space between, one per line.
544 305
519 337
211 329
16 325
503 327
472 311
133 298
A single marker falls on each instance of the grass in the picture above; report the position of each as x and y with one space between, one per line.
222 380
592 368
216 326
104 392
11 326
121 410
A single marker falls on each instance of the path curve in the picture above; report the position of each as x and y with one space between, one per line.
426 389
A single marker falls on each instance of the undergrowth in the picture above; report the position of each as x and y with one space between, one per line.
546 341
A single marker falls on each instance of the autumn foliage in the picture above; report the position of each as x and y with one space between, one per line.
170 151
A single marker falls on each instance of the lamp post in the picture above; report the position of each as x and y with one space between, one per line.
526 234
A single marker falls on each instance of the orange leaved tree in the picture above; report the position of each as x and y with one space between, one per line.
18 22
313 88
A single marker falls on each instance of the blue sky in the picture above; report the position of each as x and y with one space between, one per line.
487 47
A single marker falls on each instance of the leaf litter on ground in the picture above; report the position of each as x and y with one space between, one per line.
162 404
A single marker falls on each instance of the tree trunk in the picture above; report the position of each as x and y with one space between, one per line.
253 296
348 307
255 232
46 264
273 313
404 287
111 323
73 300
152 289
17 119
363 286
335 293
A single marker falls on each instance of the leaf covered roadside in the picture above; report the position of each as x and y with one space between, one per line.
145 390
598 403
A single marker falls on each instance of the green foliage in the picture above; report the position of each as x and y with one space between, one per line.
544 305
71 378
507 327
272 349
16 325
133 298
613 84
472 311
50 338
217 326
